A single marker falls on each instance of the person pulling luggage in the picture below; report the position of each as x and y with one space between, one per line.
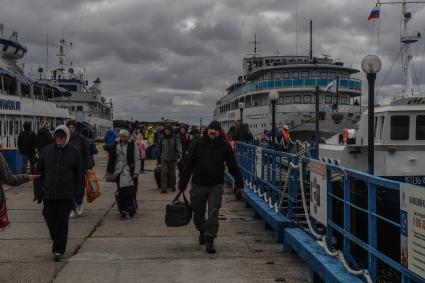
123 168
206 164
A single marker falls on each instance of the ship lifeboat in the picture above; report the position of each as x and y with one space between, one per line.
11 49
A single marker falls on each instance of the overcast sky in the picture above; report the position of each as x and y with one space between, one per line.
174 58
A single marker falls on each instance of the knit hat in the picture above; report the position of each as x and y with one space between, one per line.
71 122
215 125
124 132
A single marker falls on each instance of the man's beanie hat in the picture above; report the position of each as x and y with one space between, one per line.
71 122
215 125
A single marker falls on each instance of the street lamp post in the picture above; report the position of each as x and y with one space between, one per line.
241 106
273 96
371 64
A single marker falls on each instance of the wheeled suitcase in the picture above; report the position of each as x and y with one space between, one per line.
157 175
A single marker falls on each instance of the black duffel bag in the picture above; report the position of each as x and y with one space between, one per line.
178 213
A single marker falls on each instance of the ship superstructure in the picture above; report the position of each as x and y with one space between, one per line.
22 99
295 78
86 103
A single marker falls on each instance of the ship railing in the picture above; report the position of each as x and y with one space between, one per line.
344 85
360 226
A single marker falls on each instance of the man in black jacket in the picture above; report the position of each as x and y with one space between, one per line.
82 145
43 137
206 161
60 172
26 144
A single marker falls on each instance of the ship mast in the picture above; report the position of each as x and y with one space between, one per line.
408 66
406 40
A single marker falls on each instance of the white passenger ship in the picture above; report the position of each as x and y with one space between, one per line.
86 103
22 99
295 78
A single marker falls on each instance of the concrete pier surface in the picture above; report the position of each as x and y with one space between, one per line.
103 248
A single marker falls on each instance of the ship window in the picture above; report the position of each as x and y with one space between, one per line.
16 127
332 75
420 127
277 75
286 75
297 99
345 100
376 127
69 87
381 124
295 74
304 74
400 127
79 108
307 99
328 99
281 100
324 74
288 99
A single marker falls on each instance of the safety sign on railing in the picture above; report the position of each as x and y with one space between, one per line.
412 224
318 192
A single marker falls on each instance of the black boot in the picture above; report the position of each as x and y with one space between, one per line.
202 239
209 248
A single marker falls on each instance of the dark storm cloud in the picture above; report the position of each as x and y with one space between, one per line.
174 58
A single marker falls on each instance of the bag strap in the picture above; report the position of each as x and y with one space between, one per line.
178 196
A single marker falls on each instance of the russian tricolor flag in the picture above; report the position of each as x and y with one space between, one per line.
374 14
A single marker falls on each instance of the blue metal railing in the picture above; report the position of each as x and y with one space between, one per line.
363 211
344 84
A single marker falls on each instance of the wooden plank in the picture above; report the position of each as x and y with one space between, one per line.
328 268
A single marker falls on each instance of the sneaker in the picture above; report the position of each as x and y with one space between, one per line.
73 214
79 210
163 191
209 248
202 239
57 257
123 215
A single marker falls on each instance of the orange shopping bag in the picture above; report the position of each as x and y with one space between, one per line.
92 187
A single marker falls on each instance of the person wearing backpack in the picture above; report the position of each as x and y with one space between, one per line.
206 164
169 154
91 145
27 144
123 168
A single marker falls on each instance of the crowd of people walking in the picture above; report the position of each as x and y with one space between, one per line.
61 160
